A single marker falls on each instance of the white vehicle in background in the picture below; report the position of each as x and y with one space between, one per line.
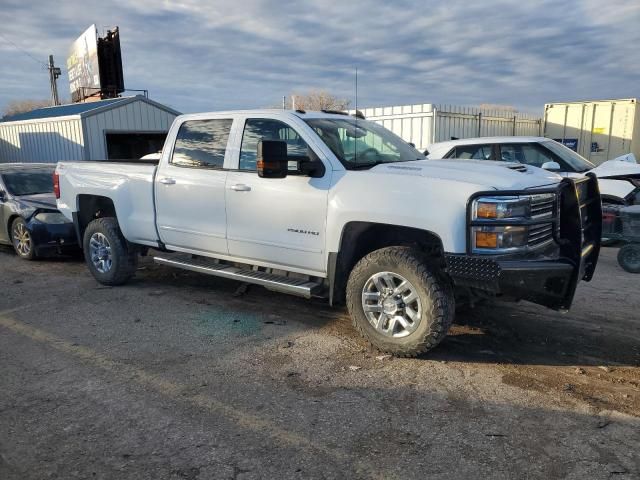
321 204
619 178
152 157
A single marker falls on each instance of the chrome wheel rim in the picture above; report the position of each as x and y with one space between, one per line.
100 252
21 239
391 304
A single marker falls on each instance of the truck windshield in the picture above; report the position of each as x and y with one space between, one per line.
576 161
361 143
28 183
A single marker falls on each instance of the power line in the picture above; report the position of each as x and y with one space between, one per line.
41 63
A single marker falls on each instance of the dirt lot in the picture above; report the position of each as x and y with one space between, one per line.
172 376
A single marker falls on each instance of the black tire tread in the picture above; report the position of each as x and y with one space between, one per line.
438 288
127 262
622 260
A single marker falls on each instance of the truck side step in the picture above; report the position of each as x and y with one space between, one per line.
208 266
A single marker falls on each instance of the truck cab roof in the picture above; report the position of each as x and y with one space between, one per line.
304 114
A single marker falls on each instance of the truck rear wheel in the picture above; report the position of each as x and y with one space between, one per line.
111 260
398 302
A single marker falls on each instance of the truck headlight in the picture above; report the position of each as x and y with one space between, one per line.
52 218
499 238
504 224
499 208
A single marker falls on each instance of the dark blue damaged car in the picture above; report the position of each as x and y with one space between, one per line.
29 219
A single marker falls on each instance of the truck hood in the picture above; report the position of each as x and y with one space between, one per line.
486 173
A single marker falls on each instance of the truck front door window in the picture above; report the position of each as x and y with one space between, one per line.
202 143
257 129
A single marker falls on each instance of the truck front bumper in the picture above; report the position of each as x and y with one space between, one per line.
548 277
551 283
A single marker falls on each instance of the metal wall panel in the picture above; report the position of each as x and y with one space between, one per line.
46 141
134 117
424 124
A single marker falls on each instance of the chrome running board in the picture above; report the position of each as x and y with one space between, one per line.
296 286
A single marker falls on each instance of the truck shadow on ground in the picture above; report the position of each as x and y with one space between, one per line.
596 332
496 332
528 334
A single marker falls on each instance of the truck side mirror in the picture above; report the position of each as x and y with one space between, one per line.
272 159
551 166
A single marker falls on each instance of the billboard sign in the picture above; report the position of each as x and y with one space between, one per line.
82 65
110 62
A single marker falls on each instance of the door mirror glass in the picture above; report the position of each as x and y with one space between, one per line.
272 161
551 166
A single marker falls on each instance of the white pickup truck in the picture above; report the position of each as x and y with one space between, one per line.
330 205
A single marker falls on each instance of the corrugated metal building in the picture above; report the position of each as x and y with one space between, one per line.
427 123
118 128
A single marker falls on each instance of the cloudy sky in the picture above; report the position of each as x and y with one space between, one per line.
197 55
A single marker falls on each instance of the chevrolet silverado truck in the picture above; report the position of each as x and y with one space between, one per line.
323 204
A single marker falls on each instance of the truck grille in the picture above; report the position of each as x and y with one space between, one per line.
543 205
540 234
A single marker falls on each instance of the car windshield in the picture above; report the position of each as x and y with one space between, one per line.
28 183
362 144
577 162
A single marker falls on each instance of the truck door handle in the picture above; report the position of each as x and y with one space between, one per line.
241 187
168 181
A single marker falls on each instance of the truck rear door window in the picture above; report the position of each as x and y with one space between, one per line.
202 143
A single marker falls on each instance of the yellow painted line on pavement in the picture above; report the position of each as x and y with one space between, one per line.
244 419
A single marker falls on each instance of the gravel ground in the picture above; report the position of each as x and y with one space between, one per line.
175 377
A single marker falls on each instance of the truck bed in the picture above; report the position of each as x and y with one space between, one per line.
129 184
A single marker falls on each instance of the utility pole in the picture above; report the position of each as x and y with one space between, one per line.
54 73
284 102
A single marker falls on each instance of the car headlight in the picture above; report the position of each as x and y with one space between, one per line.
504 224
52 218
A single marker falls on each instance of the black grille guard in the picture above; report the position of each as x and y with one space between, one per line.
547 279
581 230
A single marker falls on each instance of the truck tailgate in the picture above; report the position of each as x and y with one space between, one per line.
128 185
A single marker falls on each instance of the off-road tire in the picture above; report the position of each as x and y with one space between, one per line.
123 255
629 258
434 289
31 255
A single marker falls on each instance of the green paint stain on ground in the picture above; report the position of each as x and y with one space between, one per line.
228 323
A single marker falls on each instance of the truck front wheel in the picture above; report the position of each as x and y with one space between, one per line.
398 302
111 260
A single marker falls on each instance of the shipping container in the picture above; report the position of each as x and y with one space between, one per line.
598 130
424 124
